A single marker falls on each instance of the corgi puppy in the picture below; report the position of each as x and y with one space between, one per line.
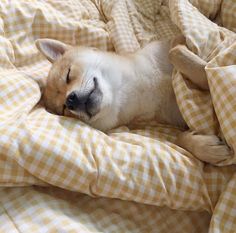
106 90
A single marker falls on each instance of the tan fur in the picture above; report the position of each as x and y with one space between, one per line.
208 148
192 66
55 91
134 87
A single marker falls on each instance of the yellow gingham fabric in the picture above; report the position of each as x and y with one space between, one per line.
161 187
214 111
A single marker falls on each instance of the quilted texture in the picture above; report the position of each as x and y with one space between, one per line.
139 164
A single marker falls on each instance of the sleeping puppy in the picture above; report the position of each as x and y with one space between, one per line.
107 90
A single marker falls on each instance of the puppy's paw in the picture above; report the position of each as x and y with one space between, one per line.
208 148
189 64
180 39
177 54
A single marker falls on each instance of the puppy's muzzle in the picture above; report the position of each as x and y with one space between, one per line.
75 101
88 103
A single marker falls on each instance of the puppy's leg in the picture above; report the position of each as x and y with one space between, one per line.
178 40
208 148
190 65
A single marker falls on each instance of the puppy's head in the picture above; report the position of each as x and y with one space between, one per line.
75 84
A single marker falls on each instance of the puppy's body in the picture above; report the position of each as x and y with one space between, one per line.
133 87
106 90
140 86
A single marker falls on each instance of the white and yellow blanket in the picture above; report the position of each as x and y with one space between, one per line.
133 179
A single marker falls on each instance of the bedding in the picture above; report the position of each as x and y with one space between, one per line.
58 174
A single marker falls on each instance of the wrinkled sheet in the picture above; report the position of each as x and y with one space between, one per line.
134 178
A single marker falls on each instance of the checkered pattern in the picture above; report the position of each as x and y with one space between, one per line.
210 8
139 164
224 65
50 210
223 219
213 44
228 14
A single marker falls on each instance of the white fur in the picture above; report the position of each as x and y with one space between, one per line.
133 87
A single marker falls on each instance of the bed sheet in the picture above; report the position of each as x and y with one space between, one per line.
134 178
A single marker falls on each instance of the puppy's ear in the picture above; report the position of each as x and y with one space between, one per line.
51 49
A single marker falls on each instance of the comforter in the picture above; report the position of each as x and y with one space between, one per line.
58 174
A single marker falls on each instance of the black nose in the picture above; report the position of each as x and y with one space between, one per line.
71 100
75 101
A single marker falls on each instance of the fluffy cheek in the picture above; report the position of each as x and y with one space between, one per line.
107 102
107 98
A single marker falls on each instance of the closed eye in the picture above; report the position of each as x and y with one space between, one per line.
68 77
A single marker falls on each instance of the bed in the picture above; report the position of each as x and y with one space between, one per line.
58 174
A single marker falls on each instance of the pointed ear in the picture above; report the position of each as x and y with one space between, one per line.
51 49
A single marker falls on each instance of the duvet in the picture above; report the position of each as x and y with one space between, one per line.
58 174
